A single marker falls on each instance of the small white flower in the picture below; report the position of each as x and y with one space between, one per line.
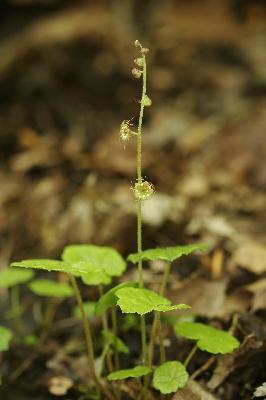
125 131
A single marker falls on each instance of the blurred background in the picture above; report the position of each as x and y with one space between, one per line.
66 86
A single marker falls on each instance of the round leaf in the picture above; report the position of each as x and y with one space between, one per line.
109 299
46 287
94 276
102 257
208 338
167 253
142 301
136 372
12 277
5 338
170 376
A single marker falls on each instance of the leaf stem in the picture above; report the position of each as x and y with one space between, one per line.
89 342
190 355
106 328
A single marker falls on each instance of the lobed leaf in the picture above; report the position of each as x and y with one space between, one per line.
115 341
12 277
109 299
101 257
135 372
208 338
51 265
170 376
49 288
167 253
5 338
142 301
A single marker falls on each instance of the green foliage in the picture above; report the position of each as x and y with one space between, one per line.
51 265
115 341
142 301
170 376
49 288
5 338
12 277
89 308
208 338
109 299
94 276
105 258
136 372
167 253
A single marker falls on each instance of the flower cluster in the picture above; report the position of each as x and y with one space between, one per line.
143 190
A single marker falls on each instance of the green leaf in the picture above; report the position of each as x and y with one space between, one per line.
170 376
142 301
136 372
115 341
12 277
109 299
89 307
102 257
49 288
5 338
208 338
51 265
167 253
94 276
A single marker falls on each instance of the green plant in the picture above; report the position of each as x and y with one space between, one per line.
97 266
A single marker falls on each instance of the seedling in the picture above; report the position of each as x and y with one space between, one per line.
96 265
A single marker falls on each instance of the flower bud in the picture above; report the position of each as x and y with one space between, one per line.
136 73
143 190
139 62
147 101
137 43
144 50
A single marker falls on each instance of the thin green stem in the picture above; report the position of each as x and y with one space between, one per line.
190 355
154 329
114 326
106 328
162 350
89 342
139 206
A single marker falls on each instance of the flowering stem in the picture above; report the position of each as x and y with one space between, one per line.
139 205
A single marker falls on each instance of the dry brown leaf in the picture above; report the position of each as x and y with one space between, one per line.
251 256
193 391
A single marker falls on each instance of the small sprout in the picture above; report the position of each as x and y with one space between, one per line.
5 338
139 62
143 190
147 101
137 372
136 73
143 301
170 376
167 253
208 338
